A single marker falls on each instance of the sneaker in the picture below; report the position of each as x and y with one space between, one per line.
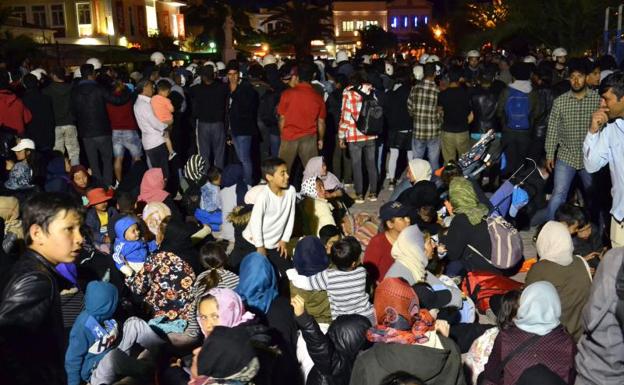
391 184
359 199
172 155
372 197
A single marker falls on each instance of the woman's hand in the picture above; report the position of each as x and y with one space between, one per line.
298 304
9 164
443 327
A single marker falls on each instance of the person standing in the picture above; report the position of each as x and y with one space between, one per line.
302 116
569 118
208 102
358 142
152 129
65 134
89 100
41 128
603 145
242 113
422 106
454 104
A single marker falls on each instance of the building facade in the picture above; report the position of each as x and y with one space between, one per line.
405 16
98 22
352 16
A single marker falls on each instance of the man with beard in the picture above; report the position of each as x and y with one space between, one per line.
570 116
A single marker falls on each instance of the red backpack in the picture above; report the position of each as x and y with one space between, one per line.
480 286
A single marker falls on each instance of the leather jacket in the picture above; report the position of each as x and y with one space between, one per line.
484 102
32 344
88 101
545 97
335 352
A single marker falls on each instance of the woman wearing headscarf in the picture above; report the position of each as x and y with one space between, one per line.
417 170
317 168
411 255
153 215
317 211
468 231
153 190
81 182
221 307
569 274
536 338
177 240
233 190
405 339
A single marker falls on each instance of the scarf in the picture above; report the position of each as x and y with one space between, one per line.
409 250
310 257
153 186
314 169
540 309
554 244
153 215
423 323
258 283
308 188
73 171
465 201
231 309
421 170
233 175
225 353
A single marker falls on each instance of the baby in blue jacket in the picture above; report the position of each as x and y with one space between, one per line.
130 251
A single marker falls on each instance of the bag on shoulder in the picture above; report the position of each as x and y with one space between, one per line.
370 120
517 108
480 286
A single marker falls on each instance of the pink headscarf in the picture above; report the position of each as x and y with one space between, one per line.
153 186
231 309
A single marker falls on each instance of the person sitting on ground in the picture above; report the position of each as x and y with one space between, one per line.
233 190
21 171
99 213
209 212
329 234
539 333
317 211
345 281
317 168
130 251
418 170
568 273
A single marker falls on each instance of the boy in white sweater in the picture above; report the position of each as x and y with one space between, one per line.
273 215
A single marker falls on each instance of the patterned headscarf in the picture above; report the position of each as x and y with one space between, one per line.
313 170
153 215
465 201
308 188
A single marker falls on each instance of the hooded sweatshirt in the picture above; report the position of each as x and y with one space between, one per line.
131 253
94 333
13 113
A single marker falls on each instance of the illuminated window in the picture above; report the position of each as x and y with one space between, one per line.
370 22
405 21
347 26
20 11
83 11
57 13
152 20
426 20
359 24
415 21
39 15
395 22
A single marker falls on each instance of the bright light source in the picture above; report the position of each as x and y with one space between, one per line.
152 20
88 41
265 47
174 3
212 45
110 28
317 43
123 41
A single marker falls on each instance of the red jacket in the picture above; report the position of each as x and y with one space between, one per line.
13 113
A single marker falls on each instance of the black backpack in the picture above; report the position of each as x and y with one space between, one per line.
370 120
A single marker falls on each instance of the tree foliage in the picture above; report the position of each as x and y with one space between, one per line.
376 40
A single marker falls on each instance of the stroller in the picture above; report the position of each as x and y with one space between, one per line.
481 155
510 197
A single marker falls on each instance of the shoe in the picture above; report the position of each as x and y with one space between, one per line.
359 199
391 184
172 155
372 197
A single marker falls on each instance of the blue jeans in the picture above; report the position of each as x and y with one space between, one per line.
564 175
242 146
431 147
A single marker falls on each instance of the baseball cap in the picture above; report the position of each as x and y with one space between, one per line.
23 145
430 298
393 209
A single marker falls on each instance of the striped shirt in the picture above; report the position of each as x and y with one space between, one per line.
351 106
346 291
422 105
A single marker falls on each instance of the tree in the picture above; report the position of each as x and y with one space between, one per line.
303 21
376 40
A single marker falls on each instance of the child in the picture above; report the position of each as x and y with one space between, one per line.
273 215
91 355
98 216
209 212
130 250
345 284
20 172
31 322
163 109
329 235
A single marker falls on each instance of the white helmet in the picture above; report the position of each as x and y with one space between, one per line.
418 72
95 62
268 59
157 58
423 58
341 56
38 73
558 52
77 73
136 76
192 68
530 59
220 66
473 53
366 59
432 59
212 64
389 69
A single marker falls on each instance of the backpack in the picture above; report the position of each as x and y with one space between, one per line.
480 286
370 120
517 109
506 242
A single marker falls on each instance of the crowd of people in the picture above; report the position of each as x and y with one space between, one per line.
202 223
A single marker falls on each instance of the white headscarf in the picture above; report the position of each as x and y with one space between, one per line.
409 250
554 243
314 168
308 188
540 308
421 169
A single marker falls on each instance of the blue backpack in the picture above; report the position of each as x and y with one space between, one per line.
517 110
